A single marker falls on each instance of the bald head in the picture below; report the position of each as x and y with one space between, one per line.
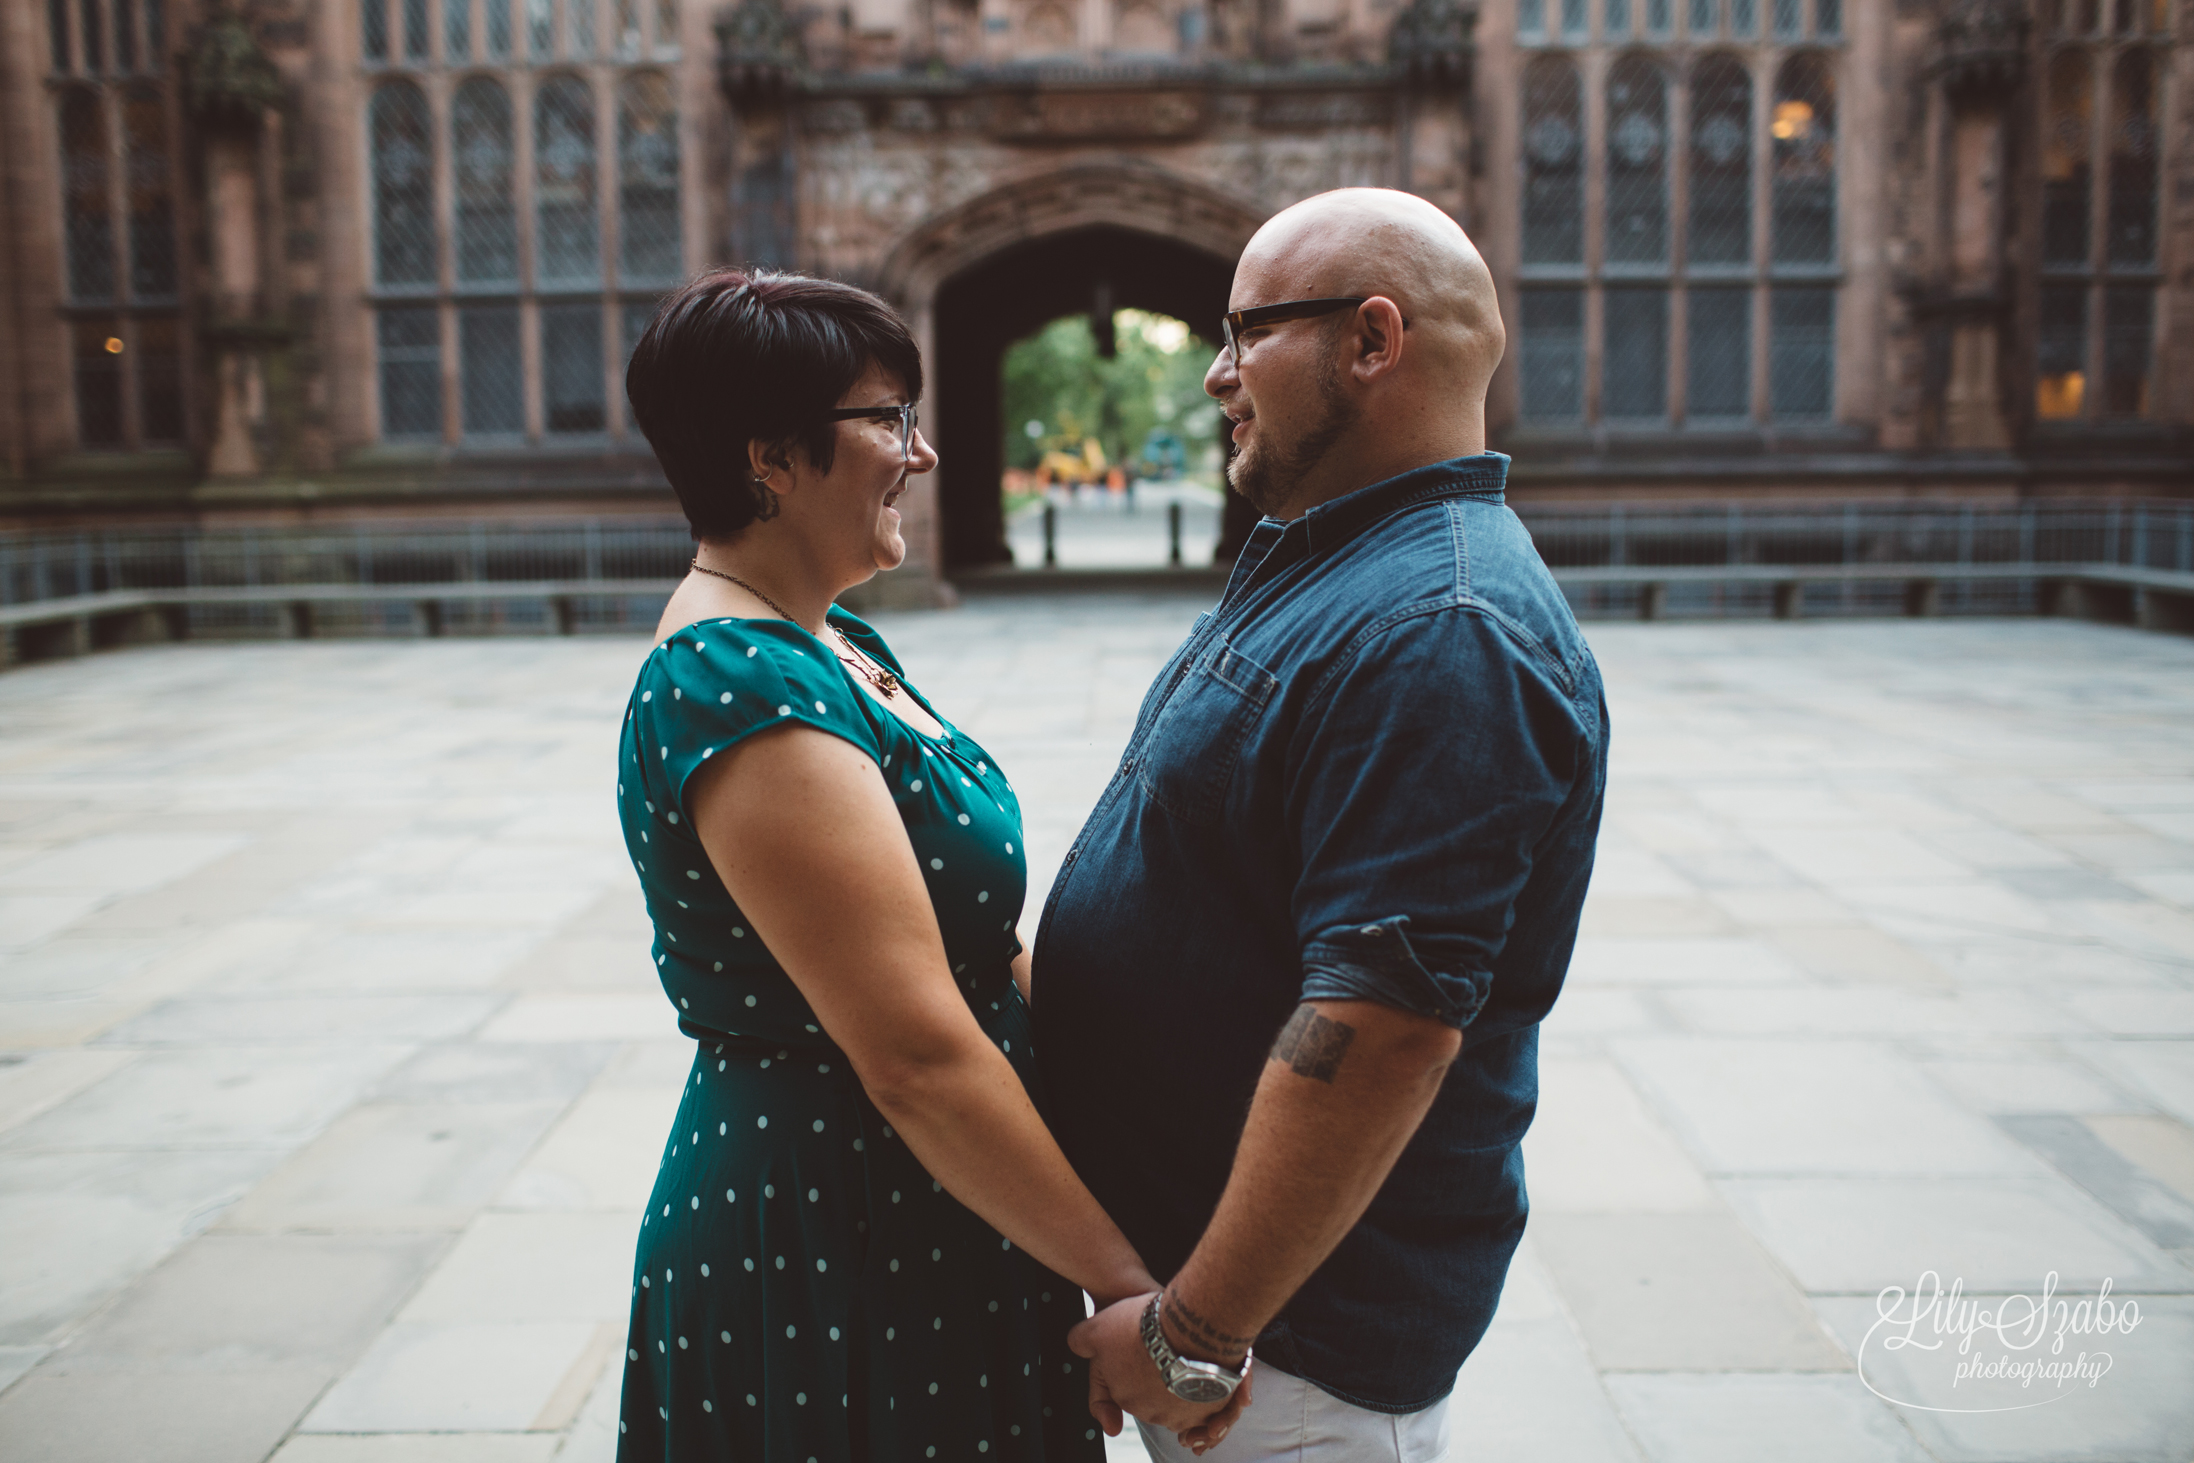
1380 241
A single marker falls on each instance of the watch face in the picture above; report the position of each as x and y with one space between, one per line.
1200 1389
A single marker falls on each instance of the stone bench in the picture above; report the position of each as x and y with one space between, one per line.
2154 599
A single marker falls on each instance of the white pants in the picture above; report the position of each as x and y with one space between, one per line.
1290 1421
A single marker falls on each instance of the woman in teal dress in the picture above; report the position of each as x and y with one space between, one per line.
863 1244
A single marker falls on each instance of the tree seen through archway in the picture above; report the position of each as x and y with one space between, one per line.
1142 404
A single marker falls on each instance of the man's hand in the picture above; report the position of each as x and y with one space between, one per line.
1123 1379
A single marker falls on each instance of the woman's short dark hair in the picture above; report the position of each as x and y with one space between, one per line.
737 356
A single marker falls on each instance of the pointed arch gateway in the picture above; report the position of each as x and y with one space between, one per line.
978 277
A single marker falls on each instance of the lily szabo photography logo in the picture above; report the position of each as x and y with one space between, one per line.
1990 1353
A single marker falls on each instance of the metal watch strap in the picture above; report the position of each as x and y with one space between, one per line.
1204 1382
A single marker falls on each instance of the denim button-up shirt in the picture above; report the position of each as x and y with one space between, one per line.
1374 772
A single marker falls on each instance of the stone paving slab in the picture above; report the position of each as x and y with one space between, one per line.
333 1072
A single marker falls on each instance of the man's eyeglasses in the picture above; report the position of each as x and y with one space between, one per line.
1232 324
906 416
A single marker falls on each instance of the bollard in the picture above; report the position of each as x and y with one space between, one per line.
1051 535
1173 534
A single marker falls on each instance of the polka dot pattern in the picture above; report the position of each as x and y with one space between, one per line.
835 1292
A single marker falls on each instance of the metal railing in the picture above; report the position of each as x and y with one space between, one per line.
1707 559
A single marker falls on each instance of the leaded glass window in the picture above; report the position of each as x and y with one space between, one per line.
1721 162
410 340
151 204
482 159
1803 130
403 187
647 181
489 362
1718 323
1634 370
1801 351
565 240
2066 161
1699 296
516 231
1554 197
87 210
2095 321
116 206
571 368
1554 354
1637 163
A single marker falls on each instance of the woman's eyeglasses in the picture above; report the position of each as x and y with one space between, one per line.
906 416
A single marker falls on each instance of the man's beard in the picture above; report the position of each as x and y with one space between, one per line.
1270 472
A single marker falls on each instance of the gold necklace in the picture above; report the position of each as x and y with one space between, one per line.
886 684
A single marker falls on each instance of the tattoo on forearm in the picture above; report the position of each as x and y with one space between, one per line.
1202 1332
1311 1045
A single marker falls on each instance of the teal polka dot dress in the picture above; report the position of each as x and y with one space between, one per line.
803 1291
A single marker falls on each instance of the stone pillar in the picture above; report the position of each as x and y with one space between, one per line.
758 54
232 86
1978 72
1431 46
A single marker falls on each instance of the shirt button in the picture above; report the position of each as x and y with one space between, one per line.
1072 855
1127 768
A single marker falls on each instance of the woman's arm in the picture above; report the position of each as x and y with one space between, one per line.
801 829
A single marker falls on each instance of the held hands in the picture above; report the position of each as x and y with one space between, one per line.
1123 1379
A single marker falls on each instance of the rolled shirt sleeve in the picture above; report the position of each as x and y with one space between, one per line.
1423 778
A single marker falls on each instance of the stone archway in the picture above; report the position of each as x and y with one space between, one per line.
983 275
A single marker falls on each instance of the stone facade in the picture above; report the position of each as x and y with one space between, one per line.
272 260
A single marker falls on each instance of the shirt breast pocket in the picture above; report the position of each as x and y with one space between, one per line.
1189 757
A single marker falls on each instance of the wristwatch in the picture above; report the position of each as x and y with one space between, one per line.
1200 1382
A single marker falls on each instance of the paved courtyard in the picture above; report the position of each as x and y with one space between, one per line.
333 1072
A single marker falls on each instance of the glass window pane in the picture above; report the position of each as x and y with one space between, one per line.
92 15
636 318
160 378
1657 17
647 181
1616 19
1531 17
498 23
1573 19
1554 355
1705 16
481 149
415 30
540 29
151 207
666 27
125 38
1803 126
494 386
373 22
566 244
57 33
1801 352
87 220
98 360
579 27
457 30
1785 13
1721 163
411 372
2132 238
628 27
1634 355
1744 17
1718 375
1554 198
155 33
2061 355
2128 348
1828 18
571 367
1637 163
403 187
2065 159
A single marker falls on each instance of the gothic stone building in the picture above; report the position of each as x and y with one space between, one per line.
285 260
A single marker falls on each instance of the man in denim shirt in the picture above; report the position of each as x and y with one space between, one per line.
1290 977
